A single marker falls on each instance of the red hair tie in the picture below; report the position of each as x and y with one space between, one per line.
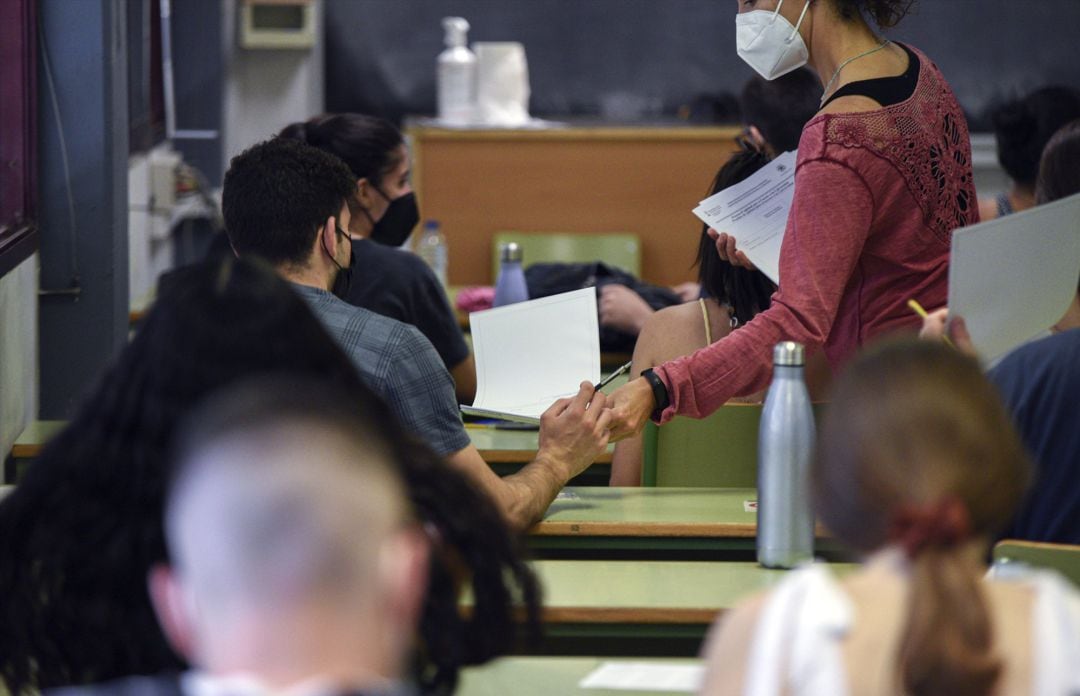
944 523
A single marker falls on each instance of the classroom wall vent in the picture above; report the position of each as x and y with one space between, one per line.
277 24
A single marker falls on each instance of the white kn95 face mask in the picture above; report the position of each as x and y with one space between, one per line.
768 43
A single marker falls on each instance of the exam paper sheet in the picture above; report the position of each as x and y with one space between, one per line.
645 676
755 212
1013 278
530 354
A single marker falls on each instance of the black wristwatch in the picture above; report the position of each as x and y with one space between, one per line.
659 392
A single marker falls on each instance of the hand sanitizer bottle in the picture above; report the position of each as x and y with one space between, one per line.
457 75
785 524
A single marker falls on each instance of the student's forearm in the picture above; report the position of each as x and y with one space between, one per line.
522 498
532 490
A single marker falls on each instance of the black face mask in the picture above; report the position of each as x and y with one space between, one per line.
397 223
343 279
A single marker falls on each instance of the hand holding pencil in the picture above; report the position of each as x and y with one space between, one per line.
938 327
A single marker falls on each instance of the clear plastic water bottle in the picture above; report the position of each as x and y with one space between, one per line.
785 524
510 286
431 247
456 77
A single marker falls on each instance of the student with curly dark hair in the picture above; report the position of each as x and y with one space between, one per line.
1022 128
883 177
917 467
383 212
288 203
82 529
294 556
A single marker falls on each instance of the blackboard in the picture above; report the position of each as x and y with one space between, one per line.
653 56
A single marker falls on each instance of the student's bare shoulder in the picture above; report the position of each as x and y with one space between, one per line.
675 315
673 331
727 648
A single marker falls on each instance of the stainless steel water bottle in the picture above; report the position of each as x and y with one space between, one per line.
510 286
785 524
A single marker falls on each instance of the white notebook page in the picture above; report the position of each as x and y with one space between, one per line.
532 353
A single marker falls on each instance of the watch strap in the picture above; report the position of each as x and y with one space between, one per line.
660 392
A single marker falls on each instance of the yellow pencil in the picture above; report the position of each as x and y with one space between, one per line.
918 309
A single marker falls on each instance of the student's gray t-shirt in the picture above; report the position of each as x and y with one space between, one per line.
399 364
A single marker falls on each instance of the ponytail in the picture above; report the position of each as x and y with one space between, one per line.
946 648
918 453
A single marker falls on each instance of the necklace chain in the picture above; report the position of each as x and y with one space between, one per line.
836 73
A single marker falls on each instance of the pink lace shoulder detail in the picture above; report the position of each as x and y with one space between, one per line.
926 139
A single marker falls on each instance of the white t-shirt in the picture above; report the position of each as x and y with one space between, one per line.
796 643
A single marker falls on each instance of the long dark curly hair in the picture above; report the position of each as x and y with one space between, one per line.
81 530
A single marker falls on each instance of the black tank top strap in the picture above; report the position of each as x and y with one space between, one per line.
884 90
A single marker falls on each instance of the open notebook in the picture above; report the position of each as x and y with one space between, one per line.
532 353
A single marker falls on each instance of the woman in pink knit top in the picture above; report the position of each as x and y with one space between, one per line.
883 177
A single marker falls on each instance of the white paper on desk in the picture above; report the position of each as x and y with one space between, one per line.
532 353
1014 277
755 212
645 676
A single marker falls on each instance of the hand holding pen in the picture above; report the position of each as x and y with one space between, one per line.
610 378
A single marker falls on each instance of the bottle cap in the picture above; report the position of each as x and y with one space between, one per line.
456 29
429 224
788 353
510 251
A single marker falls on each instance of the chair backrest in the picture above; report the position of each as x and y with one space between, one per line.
1064 558
719 451
613 248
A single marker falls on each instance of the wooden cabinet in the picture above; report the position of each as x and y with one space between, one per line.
644 181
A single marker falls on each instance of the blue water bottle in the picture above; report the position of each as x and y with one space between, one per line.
510 286
785 524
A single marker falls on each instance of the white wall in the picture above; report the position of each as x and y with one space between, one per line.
265 90
18 351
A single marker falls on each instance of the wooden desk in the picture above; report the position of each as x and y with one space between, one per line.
658 593
655 524
648 523
641 607
30 442
140 307
28 446
506 451
541 676
640 180
500 446
651 512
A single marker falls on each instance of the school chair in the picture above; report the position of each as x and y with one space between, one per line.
615 249
1064 558
719 451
